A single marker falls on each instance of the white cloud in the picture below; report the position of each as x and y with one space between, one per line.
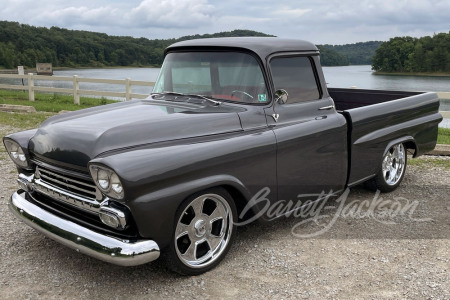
80 15
146 13
321 21
292 12
171 13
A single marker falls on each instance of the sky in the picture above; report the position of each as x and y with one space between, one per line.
319 21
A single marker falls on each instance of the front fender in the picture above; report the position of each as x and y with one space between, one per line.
154 213
156 180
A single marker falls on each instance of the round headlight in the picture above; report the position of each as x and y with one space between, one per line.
103 179
21 155
107 181
16 153
116 185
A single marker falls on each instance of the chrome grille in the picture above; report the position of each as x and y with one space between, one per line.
69 189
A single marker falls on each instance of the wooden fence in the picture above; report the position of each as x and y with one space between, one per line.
443 95
75 90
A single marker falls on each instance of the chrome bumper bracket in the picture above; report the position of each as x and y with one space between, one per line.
82 239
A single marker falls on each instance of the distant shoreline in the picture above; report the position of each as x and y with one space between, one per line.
412 74
14 71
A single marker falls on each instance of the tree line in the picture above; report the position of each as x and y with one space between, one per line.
414 55
25 45
357 53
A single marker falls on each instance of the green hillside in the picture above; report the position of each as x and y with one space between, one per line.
358 53
22 44
330 57
25 45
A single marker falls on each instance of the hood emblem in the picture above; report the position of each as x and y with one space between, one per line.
275 117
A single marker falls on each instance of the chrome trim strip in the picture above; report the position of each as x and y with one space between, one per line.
82 239
118 213
25 182
327 107
66 197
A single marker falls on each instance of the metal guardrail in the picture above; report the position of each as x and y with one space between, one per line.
76 91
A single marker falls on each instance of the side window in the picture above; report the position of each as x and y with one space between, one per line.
296 76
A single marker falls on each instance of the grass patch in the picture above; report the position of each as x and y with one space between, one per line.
426 163
444 136
23 121
50 102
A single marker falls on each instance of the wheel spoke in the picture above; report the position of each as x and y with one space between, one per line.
214 241
391 173
401 156
395 153
391 154
182 229
190 252
197 206
218 213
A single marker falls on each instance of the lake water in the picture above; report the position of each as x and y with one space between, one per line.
344 77
348 76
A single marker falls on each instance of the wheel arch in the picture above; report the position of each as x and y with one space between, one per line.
148 210
239 199
408 141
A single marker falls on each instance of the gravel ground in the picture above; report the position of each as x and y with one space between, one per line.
357 258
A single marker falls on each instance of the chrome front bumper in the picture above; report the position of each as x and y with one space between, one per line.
82 239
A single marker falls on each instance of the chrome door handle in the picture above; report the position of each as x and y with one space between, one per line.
327 107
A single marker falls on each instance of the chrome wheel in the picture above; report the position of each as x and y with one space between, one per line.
393 165
203 230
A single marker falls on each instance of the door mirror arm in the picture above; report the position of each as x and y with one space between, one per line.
281 97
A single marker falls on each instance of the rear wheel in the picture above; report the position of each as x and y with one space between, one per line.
393 167
203 232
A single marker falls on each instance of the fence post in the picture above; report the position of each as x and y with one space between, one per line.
30 87
76 87
127 89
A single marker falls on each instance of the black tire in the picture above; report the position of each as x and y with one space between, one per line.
203 232
392 170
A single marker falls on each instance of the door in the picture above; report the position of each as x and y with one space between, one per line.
311 135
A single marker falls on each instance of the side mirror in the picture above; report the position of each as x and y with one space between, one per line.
281 96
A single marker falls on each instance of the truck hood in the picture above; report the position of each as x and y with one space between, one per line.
77 137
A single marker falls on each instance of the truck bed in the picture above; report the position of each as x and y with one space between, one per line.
345 99
377 118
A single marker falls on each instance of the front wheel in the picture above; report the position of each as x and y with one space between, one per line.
203 232
393 167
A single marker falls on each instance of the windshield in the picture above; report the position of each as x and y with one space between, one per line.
230 76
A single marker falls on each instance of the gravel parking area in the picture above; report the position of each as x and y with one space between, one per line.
404 256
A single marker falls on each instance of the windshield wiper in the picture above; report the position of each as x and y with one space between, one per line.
189 95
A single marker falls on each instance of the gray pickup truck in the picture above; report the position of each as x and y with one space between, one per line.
227 118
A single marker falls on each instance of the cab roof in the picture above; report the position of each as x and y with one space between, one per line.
262 46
